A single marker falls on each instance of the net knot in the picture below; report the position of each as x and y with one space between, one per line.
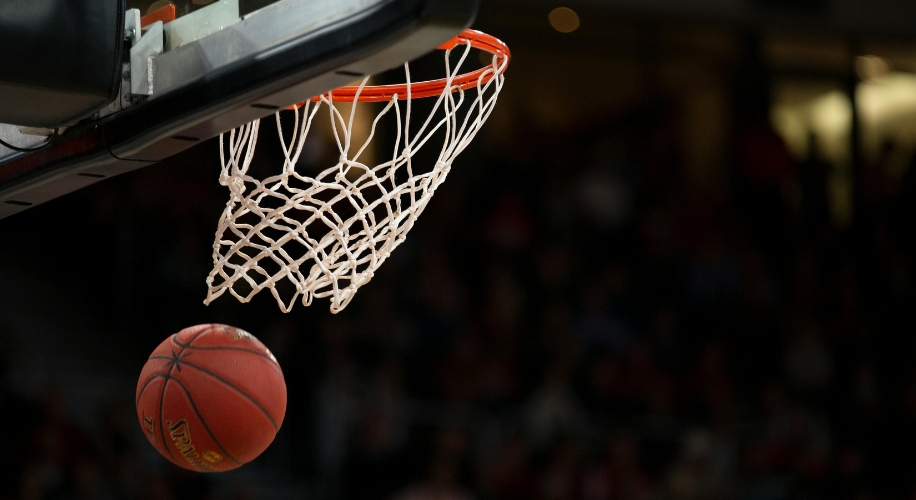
237 184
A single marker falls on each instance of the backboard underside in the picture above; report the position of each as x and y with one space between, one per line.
269 59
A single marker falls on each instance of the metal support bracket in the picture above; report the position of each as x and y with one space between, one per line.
151 44
132 25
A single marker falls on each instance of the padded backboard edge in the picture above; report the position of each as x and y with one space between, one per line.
398 31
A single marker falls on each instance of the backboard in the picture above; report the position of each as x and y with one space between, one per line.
217 66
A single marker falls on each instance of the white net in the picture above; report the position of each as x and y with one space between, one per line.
325 236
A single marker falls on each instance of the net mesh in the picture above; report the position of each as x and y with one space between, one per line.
305 237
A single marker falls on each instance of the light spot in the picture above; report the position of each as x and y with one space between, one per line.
871 68
564 19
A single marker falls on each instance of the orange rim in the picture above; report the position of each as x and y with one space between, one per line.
432 88
165 14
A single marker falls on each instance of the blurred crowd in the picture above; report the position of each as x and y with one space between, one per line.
574 317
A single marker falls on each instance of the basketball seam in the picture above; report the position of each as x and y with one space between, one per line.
241 349
277 367
217 348
236 389
273 361
165 444
165 385
204 422
175 341
148 382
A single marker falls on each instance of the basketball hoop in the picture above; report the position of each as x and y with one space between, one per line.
327 235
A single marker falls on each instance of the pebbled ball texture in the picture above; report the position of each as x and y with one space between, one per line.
211 398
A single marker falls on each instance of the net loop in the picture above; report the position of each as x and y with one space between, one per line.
324 236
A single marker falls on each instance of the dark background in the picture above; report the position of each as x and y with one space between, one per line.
639 282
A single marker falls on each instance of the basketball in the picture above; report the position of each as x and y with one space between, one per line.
211 398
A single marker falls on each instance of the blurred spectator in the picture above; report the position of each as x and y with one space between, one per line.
554 411
441 485
573 318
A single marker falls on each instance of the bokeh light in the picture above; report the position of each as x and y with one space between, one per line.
871 68
564 19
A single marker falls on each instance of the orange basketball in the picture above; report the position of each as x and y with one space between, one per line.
211 398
